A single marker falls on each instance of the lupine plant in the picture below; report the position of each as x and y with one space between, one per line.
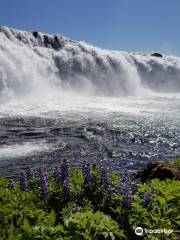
23 181
29 173
87 172
57 174
43 181
88 203
64 170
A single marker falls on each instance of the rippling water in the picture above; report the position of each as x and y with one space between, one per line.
120 132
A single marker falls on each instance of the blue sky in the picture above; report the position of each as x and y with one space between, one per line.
130 25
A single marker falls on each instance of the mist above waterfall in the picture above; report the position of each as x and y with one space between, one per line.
44 66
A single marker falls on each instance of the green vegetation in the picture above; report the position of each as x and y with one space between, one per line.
176 162
87 204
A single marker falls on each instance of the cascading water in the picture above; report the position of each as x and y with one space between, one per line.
77 101
33 61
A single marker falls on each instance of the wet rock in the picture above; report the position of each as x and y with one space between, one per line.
56 39
158 169
56 43
35 34
156 55
46 40
52 42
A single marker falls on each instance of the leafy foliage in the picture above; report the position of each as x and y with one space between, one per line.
176 162
88 204
92 226
162 212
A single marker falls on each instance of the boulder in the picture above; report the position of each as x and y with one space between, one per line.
35 34
56 39
158 169
52 42
156 55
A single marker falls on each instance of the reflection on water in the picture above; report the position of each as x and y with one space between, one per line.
121 133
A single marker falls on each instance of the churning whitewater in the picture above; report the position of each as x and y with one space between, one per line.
65 99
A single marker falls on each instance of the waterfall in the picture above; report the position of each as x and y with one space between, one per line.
37 65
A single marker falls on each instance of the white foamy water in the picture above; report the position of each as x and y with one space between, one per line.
61 106
43 66
22 150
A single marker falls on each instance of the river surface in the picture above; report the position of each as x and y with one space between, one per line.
121 133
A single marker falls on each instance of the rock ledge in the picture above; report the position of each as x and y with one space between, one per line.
158 169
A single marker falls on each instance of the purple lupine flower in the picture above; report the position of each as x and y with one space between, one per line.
45 172
66 187
11 184
64 170
23 182
43 182
29 173
148 198
127 198
104 175
87 173
57 174
126 190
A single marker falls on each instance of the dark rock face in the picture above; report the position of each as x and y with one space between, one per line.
46 41
56 39
156 55
52 42
160 170
35 34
